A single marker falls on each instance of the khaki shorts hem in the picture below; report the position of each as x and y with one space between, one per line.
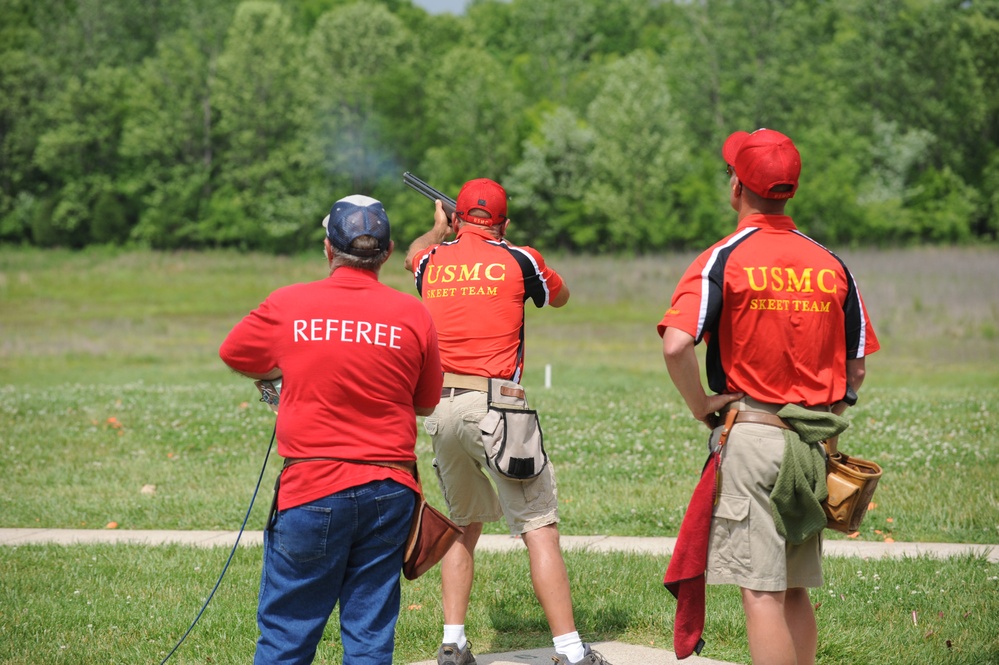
476 519
536 523
805 583
768 586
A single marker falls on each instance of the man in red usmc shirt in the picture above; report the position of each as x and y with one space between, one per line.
785 325
358 362
476 287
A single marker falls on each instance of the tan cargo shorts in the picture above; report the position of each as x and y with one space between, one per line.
473 491
745 548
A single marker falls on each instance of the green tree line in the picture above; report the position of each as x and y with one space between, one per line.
191 124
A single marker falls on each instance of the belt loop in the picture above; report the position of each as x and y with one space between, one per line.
451 396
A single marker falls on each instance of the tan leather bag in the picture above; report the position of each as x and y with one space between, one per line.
851 482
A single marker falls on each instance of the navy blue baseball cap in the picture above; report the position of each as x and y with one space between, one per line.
355 216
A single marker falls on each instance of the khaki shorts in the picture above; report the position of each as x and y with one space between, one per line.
474 492
745 548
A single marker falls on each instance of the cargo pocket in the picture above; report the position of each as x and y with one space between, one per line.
730 530
440 483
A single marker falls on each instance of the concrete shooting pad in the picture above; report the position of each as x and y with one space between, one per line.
617 653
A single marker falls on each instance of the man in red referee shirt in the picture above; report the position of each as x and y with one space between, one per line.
358 362
476 287
785 325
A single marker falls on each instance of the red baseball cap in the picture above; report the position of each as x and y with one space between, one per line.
763 160
485 195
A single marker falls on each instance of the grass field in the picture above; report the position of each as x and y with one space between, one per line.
116 409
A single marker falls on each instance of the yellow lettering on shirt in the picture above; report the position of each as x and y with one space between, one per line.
479 291
779 279
825 288
778 305
769 304
801 284
810 306
776 279
494 272
439 293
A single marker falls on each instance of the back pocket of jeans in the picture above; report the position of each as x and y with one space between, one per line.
301 532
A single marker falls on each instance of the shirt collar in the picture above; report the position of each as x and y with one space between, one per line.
353 274
476 230
775 222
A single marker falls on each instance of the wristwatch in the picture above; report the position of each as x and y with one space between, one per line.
850 398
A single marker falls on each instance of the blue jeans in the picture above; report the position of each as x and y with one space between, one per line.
345 548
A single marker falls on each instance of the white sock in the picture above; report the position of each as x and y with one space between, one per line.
455 634
570 646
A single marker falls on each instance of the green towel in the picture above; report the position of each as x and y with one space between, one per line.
800 488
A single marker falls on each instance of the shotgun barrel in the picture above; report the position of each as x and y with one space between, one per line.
423 188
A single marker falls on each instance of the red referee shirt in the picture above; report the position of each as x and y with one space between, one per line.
356 357
781 314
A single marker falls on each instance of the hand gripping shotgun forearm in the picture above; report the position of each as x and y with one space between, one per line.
431 193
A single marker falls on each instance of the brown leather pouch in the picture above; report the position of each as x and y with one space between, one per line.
851 482
430 537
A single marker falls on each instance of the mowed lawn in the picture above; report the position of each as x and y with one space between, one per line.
117 411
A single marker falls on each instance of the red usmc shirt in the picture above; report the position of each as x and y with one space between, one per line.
781 314
356 357
475 288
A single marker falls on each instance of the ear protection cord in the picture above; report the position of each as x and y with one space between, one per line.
231 554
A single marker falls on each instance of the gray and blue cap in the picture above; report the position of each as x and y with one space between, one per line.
355 216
